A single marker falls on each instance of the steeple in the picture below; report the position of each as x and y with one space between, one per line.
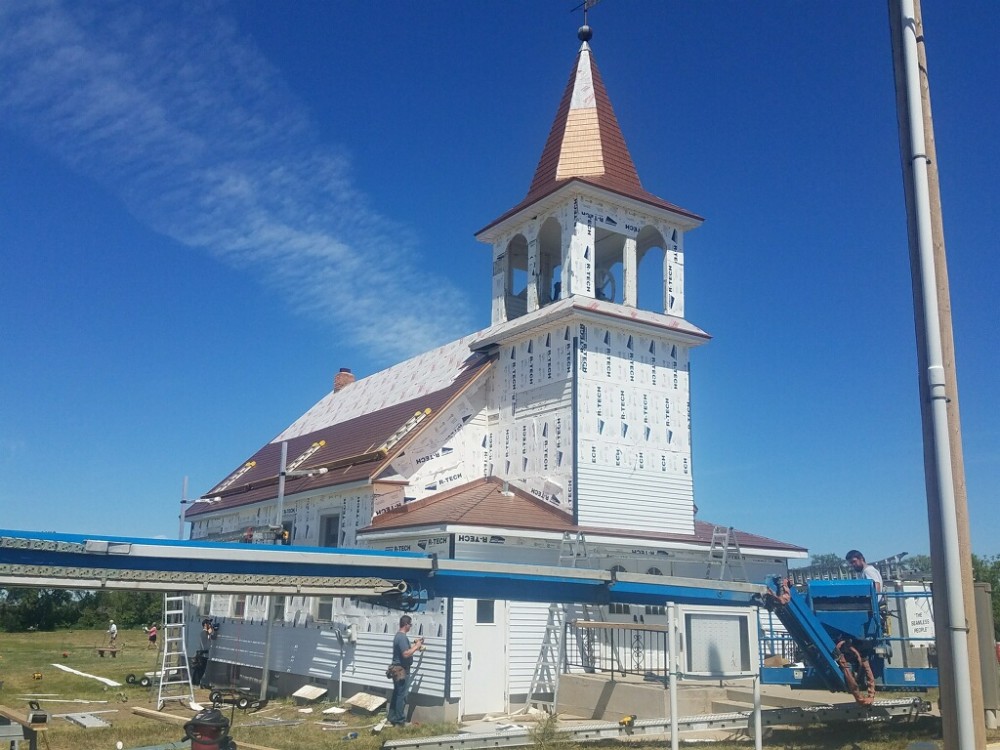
587 222
586 143
585 140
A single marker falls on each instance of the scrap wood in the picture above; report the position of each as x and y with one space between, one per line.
160 716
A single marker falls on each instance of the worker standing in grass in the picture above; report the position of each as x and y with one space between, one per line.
151 636
112 633
402 656
857 561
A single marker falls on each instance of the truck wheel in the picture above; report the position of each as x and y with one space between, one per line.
145 681
130 679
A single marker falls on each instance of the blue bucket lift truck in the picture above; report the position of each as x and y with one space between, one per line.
841 630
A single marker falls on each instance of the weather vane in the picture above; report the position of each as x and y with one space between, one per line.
586 5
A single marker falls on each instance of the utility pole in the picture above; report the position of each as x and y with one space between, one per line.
962 710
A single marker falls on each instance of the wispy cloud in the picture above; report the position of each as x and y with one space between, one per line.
168 106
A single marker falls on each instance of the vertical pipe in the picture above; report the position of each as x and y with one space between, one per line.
184 499
269 626
935 379
758 730
672 664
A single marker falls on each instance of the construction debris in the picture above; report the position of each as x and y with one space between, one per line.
86 720
105 680
309 693
366 702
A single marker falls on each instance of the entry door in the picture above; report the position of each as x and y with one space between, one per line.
485 657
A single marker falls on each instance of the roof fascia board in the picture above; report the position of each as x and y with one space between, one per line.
557 536
590 309
576 187
424 424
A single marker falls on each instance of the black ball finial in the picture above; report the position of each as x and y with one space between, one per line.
585 34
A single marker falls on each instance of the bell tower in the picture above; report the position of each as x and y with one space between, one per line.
589 328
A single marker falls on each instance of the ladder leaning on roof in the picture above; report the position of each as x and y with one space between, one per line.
175 673
725 551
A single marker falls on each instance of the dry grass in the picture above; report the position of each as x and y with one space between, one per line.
22 655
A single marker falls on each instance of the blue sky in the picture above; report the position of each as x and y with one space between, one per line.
208 208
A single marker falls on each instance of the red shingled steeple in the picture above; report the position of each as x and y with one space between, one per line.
586 143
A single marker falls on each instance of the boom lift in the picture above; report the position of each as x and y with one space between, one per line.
842 634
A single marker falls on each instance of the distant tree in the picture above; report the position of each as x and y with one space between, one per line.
826 560
917 565
36 609
987 570
47 609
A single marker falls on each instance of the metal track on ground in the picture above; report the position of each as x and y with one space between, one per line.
879 711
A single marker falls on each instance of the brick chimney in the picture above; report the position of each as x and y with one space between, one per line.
342 379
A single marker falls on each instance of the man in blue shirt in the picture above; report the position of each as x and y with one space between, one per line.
402 655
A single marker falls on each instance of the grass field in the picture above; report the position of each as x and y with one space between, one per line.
24 656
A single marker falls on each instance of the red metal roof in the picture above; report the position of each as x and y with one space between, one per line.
349 448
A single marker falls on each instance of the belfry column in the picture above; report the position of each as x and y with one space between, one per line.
533 274
501 272
630 274
673 277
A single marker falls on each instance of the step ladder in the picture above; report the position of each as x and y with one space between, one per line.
548 667
175 674
552 654
724 553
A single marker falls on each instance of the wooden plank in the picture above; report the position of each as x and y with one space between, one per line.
160 716
8 713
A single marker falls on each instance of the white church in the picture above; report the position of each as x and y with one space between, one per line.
567 419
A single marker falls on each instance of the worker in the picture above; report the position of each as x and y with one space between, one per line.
857 561
112 633
402 655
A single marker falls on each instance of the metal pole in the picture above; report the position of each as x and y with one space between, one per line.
672 665
282 471
758 730
269 628
934 377
184 496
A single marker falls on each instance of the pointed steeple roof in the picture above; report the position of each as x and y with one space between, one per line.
586 143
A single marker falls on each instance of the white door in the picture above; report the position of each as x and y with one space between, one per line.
485 657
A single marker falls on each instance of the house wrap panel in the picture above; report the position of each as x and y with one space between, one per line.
532 439
634 446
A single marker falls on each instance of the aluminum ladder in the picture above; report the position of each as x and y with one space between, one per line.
725 551
175 674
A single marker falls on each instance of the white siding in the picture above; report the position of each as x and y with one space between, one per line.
527 628
617 498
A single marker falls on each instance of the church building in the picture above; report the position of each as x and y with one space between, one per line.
560 434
